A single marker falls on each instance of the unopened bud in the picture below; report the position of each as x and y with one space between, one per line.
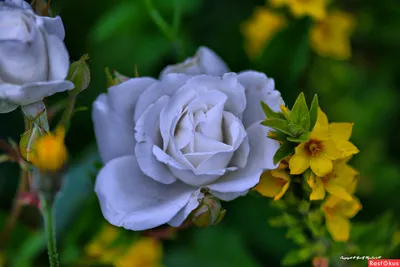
209 212
28 139
79 74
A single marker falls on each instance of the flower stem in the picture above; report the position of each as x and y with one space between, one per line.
69 110
48 216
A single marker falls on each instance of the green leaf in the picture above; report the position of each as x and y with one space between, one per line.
270 113
314 112
301 139
298 256
299 116
284 151
277 124
278 136
297 235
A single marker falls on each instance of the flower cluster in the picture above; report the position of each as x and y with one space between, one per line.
329 33
108 248
314 153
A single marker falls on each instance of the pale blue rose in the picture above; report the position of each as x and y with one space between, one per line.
162 141
33 59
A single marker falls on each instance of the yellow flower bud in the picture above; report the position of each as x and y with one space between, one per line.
49 151
285 111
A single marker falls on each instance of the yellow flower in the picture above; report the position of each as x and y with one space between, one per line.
318 152
101 247
335 183
340 132
338 213
261 27
146 252
330 37
278 3
274 183
49 151
313 8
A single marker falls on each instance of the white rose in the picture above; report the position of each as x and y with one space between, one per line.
33 59
162 141
205 61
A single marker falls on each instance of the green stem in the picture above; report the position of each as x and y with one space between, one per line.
69 110
48 217
159 20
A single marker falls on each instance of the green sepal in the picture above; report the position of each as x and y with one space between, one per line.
277 124
284 220
270 113
314 112
298 256
278 136
299 116
285 150
304 206
305 137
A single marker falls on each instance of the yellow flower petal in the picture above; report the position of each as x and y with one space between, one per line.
337 191
321 165
338 227
268 185
340 130
352 186
283 191
348 209
330 150
317 187
347 148
299 162
321 128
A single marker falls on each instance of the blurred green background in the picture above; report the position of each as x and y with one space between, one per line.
119 34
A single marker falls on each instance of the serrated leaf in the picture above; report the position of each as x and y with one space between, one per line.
299 115
277 124
298 256
314 112
270 113
285 150
305 137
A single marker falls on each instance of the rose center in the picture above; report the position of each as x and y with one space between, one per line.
314 147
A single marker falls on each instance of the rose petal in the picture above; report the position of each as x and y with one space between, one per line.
262 151
185 212
132 200
169 85
205 61
147 133
58 58
23 55
18 4
33 92
54 26
113 118
6 107
239 159
258 88
228 196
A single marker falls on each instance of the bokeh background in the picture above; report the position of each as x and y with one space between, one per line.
120 34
